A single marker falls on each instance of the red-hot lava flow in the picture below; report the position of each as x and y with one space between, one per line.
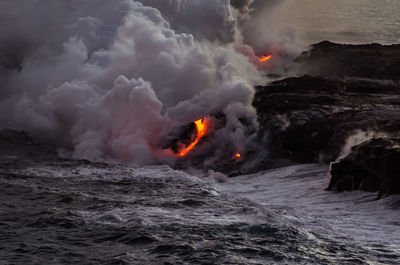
265 58
237 156
201 127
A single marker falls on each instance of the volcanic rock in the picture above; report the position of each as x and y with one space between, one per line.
339 60
180 135
308 119
371 166
347 90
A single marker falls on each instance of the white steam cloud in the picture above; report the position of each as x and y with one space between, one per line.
112 78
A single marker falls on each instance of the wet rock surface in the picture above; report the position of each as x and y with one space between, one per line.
348 90
309 118
371 166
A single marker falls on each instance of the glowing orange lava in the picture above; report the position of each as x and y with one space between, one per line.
201 126
265 58
237 156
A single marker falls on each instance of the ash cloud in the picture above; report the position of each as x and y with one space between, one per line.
109 79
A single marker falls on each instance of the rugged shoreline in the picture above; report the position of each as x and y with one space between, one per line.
350 96
329 115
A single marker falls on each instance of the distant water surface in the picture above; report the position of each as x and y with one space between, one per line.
349 21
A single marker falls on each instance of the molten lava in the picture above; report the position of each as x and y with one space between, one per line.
201 126
237 156
265 58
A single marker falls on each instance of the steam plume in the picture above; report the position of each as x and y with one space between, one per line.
111 78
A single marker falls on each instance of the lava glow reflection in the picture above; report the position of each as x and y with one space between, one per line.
201 126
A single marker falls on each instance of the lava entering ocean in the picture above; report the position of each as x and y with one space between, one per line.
201 128
265 58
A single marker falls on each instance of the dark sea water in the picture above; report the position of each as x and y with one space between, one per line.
79 213
74 212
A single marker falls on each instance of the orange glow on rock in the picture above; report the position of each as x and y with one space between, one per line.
237 156
265 58
201 127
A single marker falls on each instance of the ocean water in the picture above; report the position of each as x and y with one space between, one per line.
73 212
78 213
345 21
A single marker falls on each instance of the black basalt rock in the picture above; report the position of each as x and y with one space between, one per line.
371 166
308 118
339 60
